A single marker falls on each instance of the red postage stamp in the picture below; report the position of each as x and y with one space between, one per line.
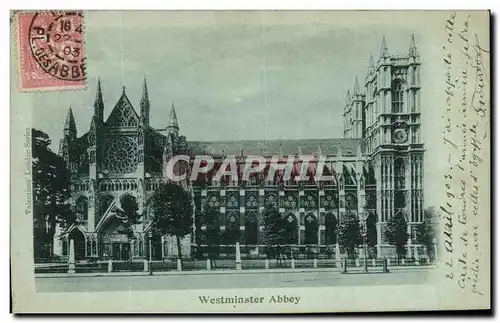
51 50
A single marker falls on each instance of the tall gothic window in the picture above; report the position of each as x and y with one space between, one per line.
251 229
330 228
81 207
399 173
311 230
397 96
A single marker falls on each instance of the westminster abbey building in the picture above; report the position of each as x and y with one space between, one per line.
377 168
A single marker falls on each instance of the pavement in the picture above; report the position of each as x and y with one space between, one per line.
352 270
324 277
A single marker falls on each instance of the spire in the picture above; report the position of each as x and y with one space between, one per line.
98 102
413 52
173 124
371 66
69 125
356 87
144 104
348 98
383 49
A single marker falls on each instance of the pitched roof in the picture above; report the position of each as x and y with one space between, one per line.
276 147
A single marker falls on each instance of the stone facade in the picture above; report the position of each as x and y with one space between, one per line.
377 168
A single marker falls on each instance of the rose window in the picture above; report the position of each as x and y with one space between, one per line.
121 155
290 202
213 201
251 201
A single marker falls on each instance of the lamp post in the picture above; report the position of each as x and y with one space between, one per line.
363 217
150 234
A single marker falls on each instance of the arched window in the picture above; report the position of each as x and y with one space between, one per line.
397 96
330 229
399 173
311 230
232 232
81 208
251 229
290 226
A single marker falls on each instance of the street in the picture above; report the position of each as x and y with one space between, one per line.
230 280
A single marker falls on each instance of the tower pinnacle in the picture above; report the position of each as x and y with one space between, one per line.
173 124
371 66
70 125
356 87
98 103
413 52
384 52
144 104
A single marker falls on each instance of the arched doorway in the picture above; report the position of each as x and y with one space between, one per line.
79 243
115 240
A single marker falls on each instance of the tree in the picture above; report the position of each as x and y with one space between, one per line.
274 232
213 235
396 233
427 231
51 192
173 213
371 230
348 233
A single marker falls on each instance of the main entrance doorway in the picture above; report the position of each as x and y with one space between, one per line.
115 244
121 251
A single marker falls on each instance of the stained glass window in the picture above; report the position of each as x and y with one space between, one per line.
121 155
81 208
397 96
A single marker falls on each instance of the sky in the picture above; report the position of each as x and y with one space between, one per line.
231 76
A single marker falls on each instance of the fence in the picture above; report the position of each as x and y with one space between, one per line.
139 265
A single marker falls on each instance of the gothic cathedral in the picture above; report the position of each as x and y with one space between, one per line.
377 168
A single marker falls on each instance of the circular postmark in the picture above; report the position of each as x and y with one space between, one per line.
56 42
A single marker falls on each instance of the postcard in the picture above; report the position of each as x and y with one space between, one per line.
250 161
